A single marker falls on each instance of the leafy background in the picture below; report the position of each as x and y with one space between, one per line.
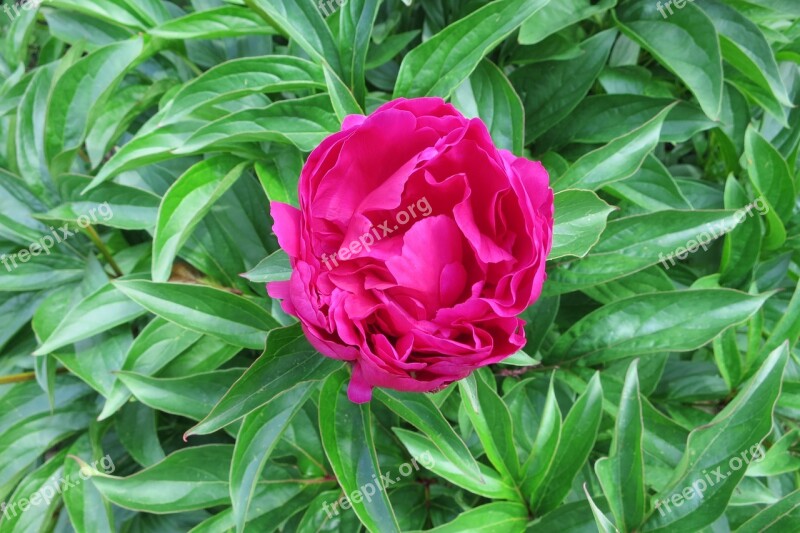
186 117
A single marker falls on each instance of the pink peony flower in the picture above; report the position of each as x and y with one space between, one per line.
416 245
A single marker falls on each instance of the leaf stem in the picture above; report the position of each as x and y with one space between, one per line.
92 233
23 377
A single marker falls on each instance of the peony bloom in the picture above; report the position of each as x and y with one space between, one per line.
416 245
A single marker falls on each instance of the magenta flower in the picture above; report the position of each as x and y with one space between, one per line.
416 245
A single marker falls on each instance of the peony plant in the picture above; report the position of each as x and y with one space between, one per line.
399 265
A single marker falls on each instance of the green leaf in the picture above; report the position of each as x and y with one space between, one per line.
356 20
209 353
604 525
185 203
94 359
419 411
787 329
288 361
106 10
302 122
578 436
780 516
240 77
619 159
260 432
19 205
76 94
487 94
347 435
520 358
777 517
151 12
492 422
275 267
573 516
276 501
215 312
599 119
745 47
110 204
386 50
548 436
343 101
74 27
772 180
580 219
778 459
87 509
16 311
498 516
137 428
652 187
735 433
219 23
192 396
440 64
622 474
24 272
728 358
740 250
13 90
19 34
189 479
159 343
100 311
29 138
489 485
658 322
631 244
556 16
769 173
146 148
279 177
303 23
697 60
42 482
24 442
552 89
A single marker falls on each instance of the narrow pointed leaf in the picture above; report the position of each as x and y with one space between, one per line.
622 473
578 436
189 479
288 361
221 314
440 64
717 454
185 203
260 432
347 435
419 411
657 322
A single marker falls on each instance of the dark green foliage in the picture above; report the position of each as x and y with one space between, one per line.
147 386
